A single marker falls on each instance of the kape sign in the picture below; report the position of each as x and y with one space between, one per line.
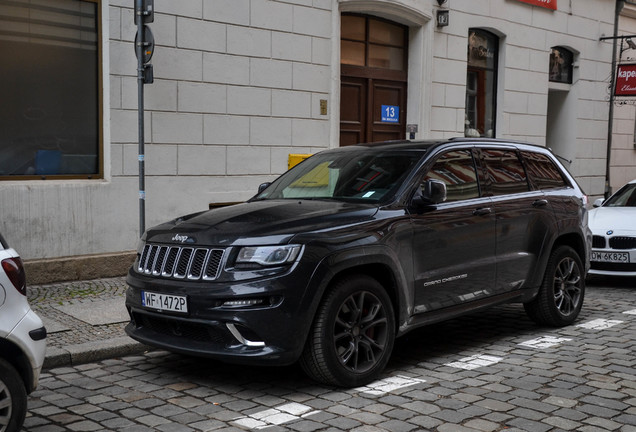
625 80
548 4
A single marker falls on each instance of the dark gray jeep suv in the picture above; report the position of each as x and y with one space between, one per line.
356 246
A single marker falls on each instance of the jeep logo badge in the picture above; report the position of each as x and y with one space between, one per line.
182 238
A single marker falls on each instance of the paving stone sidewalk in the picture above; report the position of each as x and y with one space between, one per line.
85 320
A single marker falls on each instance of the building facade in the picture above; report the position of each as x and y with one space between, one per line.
240 85
623 147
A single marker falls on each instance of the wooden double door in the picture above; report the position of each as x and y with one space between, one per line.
373 73
362 116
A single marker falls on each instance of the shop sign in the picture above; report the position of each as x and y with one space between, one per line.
625 80
548 4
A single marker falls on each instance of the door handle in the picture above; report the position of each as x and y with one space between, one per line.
483 211
540 203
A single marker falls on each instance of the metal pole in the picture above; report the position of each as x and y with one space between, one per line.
140 114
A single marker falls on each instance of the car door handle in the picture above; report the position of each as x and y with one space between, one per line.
540 203
483 211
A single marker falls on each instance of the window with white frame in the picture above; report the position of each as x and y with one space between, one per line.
50 81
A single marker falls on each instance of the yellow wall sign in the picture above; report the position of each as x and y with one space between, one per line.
295 159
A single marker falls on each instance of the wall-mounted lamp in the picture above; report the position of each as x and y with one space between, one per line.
442 18
441 2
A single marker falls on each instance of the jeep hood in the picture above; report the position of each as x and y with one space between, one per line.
259 222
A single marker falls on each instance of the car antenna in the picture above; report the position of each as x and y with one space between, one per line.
563 158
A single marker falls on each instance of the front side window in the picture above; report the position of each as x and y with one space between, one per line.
481 83
457 170
50 81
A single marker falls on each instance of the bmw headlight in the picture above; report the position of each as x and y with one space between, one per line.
268 255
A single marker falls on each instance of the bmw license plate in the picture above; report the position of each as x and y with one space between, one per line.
612 257
164 302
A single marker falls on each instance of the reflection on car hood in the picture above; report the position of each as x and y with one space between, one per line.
259 222
621 219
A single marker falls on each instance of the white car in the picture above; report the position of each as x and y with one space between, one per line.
22 341
613 224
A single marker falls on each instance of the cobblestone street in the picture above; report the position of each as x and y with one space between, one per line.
487 372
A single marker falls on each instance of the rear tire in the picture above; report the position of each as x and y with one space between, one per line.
352 336
561 294
13 398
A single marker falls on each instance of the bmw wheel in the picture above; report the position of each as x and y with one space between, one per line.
561 294
352 337
13 398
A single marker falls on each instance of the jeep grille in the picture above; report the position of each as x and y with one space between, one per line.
180 262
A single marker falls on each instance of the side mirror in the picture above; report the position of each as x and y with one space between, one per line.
430 192
263 186
598 202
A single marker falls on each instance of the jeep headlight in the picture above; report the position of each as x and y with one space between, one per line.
268 255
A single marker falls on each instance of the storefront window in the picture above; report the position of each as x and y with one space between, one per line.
561 60
481 82
50 81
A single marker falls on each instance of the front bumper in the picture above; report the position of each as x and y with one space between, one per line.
613 268
270 333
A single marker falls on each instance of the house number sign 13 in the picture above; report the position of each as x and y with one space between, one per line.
390 114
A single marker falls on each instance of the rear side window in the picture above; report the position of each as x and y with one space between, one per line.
457 170
543 171
504 172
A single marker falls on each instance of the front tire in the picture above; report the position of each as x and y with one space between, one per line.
13 398
561 294
352 336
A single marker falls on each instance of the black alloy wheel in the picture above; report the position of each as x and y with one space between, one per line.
561 294
353 334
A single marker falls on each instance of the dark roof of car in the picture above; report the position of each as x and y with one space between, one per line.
427 144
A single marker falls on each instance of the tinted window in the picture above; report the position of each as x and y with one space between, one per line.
457 170
504 172
543 172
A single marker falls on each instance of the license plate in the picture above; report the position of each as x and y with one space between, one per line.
613 257
164 302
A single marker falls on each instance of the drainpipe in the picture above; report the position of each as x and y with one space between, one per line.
610 122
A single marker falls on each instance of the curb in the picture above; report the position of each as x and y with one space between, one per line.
93 351
78 268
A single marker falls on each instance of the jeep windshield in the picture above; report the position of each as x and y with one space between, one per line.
353 175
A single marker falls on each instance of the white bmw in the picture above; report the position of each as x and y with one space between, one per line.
613 224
